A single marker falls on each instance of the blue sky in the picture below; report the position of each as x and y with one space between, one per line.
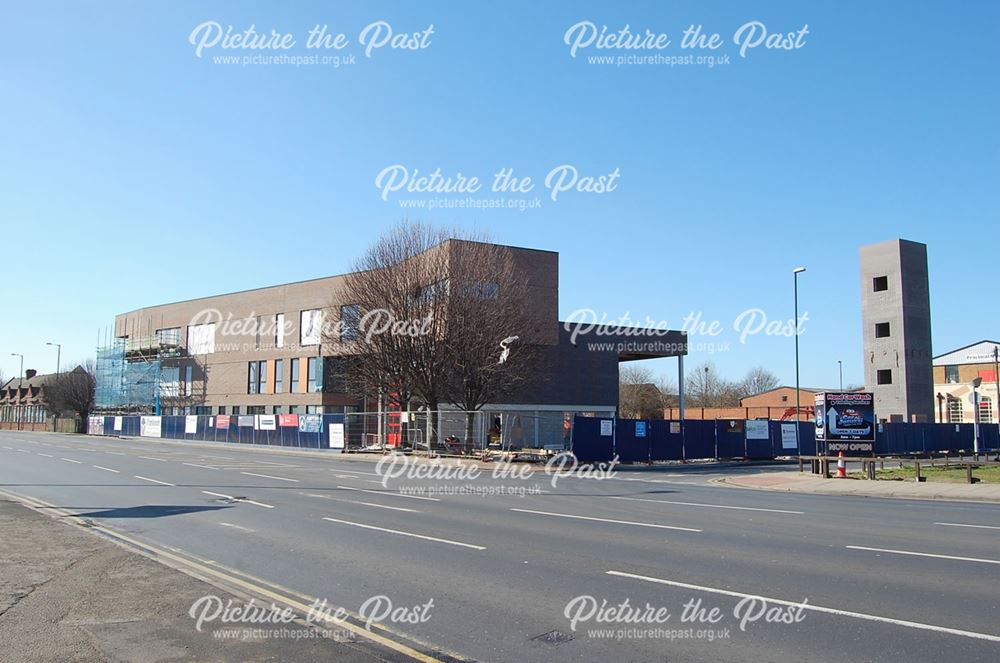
135 173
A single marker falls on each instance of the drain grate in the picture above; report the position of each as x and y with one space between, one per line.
554 638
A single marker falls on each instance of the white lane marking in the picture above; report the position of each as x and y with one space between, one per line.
390 494
238 499
204 467
9 448
810 606
46 455
106 469
374 474
372 481
920 554
381 506
158 460
401 533
964 525
607 520
239 527
154 480
269 476
24 451
115 453
70 460
711 506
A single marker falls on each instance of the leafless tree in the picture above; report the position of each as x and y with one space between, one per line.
486 306
72 392
757 380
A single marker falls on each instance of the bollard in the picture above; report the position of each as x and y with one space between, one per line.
841 466
916 469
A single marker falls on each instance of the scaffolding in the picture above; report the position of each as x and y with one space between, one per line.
129 375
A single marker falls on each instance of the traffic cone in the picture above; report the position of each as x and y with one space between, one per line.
841 466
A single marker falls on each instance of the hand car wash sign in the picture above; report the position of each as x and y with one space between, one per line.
845 422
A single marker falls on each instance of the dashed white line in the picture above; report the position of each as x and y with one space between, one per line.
388 494
607 520
402 533
115 453
269 476
158 460
373 474
154 480
24 451
922 554
711 506
46 455
964 525
239 527
106 469
204 467
70 460
238 499
814 608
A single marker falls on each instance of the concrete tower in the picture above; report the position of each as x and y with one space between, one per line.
896 314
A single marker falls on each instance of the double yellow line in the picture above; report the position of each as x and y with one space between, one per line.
228 581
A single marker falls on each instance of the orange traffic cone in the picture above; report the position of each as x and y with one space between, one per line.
841 466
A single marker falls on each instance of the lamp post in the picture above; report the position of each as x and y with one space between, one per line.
976 382
840 367
996 379
798 405
20 385
58 356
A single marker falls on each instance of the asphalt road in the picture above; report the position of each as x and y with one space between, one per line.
883 580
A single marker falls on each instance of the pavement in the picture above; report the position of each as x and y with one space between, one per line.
538 568
67 595
816 485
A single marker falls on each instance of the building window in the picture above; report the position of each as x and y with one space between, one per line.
294 409
881 330
202 410
222 409
262 377
951 374
884 376
171 336
279 330
954 410
350 320
279 364
170 377
784 399
314 409
880 283
252 382
236 410
188 380
313 376
293 378
255 409
985 410
259 330
310 327
201 339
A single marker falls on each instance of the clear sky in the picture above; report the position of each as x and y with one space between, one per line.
134 172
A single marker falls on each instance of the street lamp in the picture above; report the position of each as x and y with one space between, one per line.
798 405
840 366
20 385
58 356
976 382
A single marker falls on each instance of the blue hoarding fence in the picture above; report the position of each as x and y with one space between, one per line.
597 439
305 431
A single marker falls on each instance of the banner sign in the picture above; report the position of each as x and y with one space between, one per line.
640 429
607 427
266 422
788 436
118 424
245 420
190 424
222 421
336 436
757 429
150 427
309 423
287 420
846 421
95 426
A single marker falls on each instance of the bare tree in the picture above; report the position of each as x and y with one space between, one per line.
757 380
72 392
706 388
491 331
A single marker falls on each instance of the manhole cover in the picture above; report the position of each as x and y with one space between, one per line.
553 638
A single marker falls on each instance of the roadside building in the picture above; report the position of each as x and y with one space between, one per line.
954 374
263 351
23 405
777 403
